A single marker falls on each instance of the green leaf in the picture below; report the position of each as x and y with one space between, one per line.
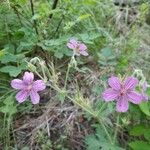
9 106
58 54
145 108
82 17
98 141
147 134
12 70
138 130
106 52
9 100
2 53
139 145
8 58
148 91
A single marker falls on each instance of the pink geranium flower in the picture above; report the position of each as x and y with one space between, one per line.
28 88
122 93
78 47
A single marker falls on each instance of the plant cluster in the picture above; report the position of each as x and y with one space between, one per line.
56 59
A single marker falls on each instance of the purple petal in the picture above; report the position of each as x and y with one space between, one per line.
22 96
122 104
145 97
134 97
38 85
130 83
84 53
72 44
144 86
114 83
82 47
28 77
109 95
35 98
17 84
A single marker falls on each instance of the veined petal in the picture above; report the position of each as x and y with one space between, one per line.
38 85
122 104
71 46
109 95
84 52
28 77
17 84
114 83
74 42
22 96
35 98
134 97
82 47
130 83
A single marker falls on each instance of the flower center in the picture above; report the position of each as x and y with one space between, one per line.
122 92
29 87
77 48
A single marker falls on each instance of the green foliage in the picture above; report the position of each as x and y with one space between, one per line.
31 28
43 141
138 145
98 141
144 106
138 131
8 108
107 58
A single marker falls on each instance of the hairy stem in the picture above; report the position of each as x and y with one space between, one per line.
67 74
116 130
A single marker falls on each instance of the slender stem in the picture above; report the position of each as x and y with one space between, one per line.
53 7
39 75
43 71
106 131
33 13
67 74
116 130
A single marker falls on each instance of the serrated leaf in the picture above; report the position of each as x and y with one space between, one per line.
12 70
8 58
92 143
